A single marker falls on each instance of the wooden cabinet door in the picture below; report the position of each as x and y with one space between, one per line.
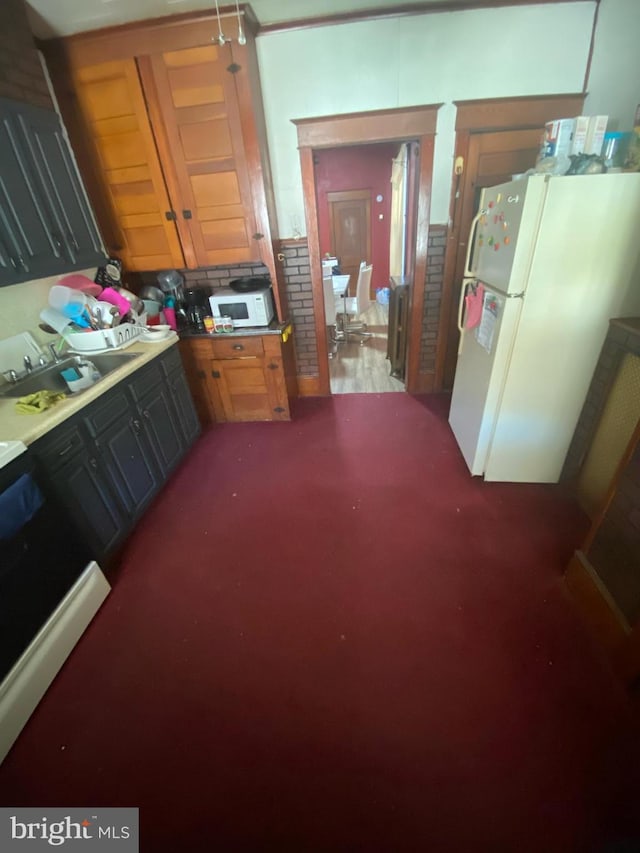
112 103
194 106
243 389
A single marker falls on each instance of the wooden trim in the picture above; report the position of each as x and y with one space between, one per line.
310 386
155 35
254 136
424 384
362 128
400 125
398 12
530 111
607 624
315 262
419 272
587 70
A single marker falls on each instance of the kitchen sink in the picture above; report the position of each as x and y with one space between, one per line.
50 378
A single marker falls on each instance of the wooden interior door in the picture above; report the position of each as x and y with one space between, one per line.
197 123
492 159
115 119
350 224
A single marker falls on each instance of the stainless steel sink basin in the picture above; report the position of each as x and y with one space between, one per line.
50 378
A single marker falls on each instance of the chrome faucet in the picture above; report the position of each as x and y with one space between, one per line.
54 353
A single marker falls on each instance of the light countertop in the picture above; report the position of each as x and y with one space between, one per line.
29 428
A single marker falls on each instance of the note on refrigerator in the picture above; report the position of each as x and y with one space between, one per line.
485 332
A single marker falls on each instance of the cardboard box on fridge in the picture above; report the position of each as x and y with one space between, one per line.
557 139
595 134
580 134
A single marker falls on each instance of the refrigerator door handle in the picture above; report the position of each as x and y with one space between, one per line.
472 233
463 292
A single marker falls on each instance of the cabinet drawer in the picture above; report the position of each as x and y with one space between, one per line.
62 448
106 411
236 347
145 379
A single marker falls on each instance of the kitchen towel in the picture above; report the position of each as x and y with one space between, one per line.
33 404
473 301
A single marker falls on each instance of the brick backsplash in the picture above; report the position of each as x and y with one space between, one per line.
21 75
299 296
297 276
437 242
210 277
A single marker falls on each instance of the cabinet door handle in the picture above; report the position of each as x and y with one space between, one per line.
258 236
170 215
135 425
186 214
147 414
238 347
73 241
93 462
65 450
272 366
22 263
57 242
215 374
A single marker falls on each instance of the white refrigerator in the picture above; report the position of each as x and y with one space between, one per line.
556 257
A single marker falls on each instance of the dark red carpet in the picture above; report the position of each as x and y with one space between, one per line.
325 636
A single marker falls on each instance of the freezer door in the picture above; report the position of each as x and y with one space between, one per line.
480 376
506 233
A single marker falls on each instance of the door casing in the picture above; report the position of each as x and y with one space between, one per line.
417 124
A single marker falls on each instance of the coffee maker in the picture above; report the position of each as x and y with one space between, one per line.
197 306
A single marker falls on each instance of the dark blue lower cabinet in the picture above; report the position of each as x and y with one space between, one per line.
107 463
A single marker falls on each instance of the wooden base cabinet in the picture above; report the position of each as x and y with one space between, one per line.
241 378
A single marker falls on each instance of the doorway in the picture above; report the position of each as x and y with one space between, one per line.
314 135
495 139
355 223
350 230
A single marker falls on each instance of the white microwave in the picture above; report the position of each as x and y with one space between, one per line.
245 309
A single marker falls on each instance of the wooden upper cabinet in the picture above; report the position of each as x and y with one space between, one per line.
169 132
115 119
195 113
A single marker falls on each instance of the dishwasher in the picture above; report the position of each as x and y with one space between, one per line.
50 589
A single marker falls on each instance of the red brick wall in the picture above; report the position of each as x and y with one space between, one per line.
433 297
21 75
297 275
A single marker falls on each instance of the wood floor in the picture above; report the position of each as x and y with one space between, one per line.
356 369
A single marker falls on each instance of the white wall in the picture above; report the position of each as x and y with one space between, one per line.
417 59
614 79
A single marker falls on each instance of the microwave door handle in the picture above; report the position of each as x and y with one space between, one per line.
474 222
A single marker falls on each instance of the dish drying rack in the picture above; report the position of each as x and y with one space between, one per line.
120 337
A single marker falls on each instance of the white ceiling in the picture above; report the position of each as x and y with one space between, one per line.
64 17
